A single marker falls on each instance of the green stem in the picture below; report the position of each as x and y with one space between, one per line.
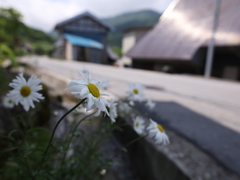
72 135
99 143
50 141
28 168
104 137
127 145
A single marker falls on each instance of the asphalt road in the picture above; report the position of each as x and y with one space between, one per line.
205 111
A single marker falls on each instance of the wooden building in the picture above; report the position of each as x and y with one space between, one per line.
83 38
130 37
178 43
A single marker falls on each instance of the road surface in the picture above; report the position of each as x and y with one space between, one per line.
214 98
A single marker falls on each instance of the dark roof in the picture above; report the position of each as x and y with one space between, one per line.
86 14
142 28
186 26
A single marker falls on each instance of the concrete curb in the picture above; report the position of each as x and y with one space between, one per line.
160 162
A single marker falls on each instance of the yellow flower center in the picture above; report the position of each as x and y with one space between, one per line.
135 91
25 91
137 124
160 128
93 90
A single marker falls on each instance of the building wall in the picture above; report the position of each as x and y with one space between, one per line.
226 65
85 27
226 62
59 48
168 66
69 51
129 40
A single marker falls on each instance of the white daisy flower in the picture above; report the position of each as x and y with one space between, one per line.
135 92
102 82
131 103
8 102
86 72
113 110
138 125
105 83
89 88
55 113
150 104
124 108
157 132
25 92
103 172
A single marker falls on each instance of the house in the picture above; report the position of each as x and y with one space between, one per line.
83 38
130 37
178 43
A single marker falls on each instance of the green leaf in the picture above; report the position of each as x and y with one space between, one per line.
22 121
10 134
28 152
124 149
36 129
19 162
119 129
59 145
39 150
8 149
52 153
47 175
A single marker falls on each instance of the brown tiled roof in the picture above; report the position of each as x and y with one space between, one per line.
185 26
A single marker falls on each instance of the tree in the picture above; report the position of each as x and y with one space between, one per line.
11 26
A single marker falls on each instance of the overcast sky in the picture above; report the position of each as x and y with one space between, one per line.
45 14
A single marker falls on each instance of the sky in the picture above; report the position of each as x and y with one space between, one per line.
45 14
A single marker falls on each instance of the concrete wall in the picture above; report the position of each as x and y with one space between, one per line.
147 162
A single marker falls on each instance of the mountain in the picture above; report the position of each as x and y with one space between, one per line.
144 18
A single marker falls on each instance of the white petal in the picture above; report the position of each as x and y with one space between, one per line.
97 113
84 91
90 102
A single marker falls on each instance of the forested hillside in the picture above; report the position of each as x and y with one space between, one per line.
18 39
145 18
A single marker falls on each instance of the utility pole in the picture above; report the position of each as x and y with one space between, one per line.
210 50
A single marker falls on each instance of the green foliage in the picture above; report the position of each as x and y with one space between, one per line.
5 79
24 153
18 39
117 50
146 18
11 25
41 42
31 151
24 149
7 53
42 47
115 39
33 35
